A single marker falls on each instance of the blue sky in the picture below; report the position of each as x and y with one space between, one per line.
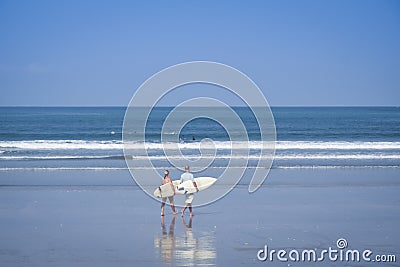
75 53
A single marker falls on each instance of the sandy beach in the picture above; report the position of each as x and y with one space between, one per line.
87 218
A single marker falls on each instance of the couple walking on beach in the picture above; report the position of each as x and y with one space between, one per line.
186 176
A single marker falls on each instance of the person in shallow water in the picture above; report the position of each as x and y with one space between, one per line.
187 176
165 180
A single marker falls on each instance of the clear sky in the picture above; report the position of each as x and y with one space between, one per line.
299 52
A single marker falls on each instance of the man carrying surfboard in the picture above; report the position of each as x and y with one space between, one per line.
165 180
187 176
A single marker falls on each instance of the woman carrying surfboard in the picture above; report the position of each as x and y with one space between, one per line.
165 180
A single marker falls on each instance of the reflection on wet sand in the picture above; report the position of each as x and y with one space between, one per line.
186 248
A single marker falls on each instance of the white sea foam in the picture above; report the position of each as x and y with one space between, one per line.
61 169
212 167
340 157
60 145
111 145
283 157
306 156
61 157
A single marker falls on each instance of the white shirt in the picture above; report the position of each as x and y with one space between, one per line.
187 176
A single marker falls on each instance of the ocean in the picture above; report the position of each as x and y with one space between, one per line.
64 138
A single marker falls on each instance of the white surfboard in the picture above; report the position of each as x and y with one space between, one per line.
167 190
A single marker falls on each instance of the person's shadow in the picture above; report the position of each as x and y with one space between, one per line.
184 248
167 241
187 227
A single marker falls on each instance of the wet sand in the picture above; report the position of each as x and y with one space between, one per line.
101 218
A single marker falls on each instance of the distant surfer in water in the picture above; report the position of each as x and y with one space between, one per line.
165 180
187 176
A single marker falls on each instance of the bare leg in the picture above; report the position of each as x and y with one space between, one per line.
191 212
173 208
184 208
162 208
